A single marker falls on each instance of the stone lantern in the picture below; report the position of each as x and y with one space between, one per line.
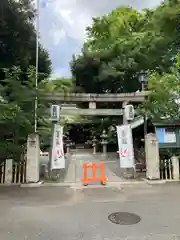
143 79
94 144
68 142
104 142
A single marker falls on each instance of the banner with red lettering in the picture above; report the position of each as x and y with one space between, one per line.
125 144
58 159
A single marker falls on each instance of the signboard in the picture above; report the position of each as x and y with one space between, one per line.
129 112
58 160
170 137
125 144
55 113
166 135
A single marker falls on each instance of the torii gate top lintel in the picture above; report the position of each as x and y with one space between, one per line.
93 97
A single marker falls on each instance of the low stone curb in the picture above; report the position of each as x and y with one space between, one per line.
171 181
79 185
10 185
42 184
38 184
154 182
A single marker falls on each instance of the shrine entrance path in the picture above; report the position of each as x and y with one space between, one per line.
75 170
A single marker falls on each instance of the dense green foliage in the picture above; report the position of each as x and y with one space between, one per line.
163 102
125 42
17 76
16 112
59 85
18 37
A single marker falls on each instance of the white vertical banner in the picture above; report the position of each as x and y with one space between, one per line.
58 160
125 144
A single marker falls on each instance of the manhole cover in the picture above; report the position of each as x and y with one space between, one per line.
124 218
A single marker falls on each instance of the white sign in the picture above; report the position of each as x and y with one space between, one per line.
129 112
58 160
170 137
125 144
55 113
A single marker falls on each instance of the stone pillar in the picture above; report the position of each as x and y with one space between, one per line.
8 171
68 147
152 156
125 121
104 142
33 153
104 149
94 149
67 142
92 105
175 165
94 142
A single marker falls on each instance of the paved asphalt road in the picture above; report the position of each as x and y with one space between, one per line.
61 213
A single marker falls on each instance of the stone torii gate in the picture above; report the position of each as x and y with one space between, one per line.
92 99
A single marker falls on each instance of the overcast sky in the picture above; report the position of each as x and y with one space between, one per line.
63 23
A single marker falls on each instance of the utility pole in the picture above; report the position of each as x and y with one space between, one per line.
143 81
37 65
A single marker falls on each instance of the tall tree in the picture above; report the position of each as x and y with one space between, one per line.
125 42
17 76
18 37
16 112
164 102
60 85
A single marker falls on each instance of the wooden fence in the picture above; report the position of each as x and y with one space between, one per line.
19 172
2 172
169 170
16 174
166 169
